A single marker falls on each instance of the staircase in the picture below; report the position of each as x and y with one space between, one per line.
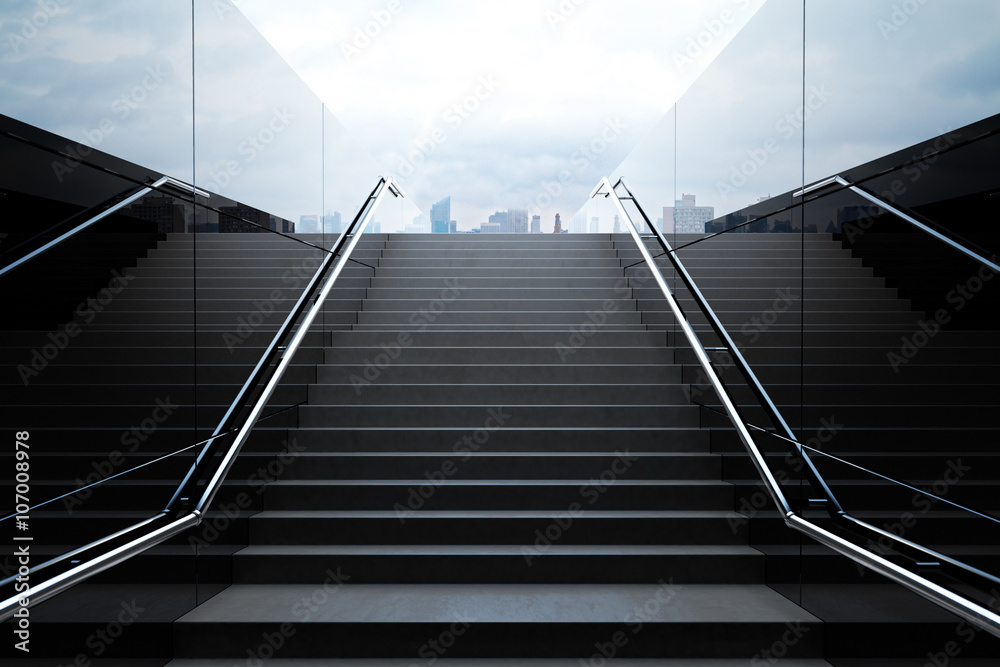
496 458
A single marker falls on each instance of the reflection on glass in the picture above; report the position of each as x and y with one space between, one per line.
115 77
739 126
886 78
258 127
349 175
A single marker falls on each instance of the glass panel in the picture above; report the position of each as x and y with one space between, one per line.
114 77
46 195
258 129
102 385
739 126
649 172
940 508
950 180
908 71
349 175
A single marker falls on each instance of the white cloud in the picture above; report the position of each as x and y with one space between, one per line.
563 74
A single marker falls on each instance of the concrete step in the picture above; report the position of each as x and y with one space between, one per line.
549 620
496 564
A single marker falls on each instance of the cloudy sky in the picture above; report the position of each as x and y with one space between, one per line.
499 103
876 81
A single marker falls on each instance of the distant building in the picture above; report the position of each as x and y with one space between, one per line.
441 216
536 224
579 223
558 228
163 211
333 224
419 226
453 227
514 221
595 225
308 224
517 221
490 227
501 220
618 226
684 217
234 219
281 225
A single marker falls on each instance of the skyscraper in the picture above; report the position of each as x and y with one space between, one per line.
536 224
618 225
558 227
333 224
308 224
684 217
441 216
595 224
517 221
502 221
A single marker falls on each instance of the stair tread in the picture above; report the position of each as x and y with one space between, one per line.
506 603
492 514
498 549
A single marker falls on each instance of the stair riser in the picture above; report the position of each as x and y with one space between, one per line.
515 569
499 530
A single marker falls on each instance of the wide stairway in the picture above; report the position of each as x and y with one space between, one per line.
497 458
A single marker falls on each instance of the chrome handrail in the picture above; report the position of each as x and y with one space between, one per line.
123 544
961 606
160 182
832 505
899 213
